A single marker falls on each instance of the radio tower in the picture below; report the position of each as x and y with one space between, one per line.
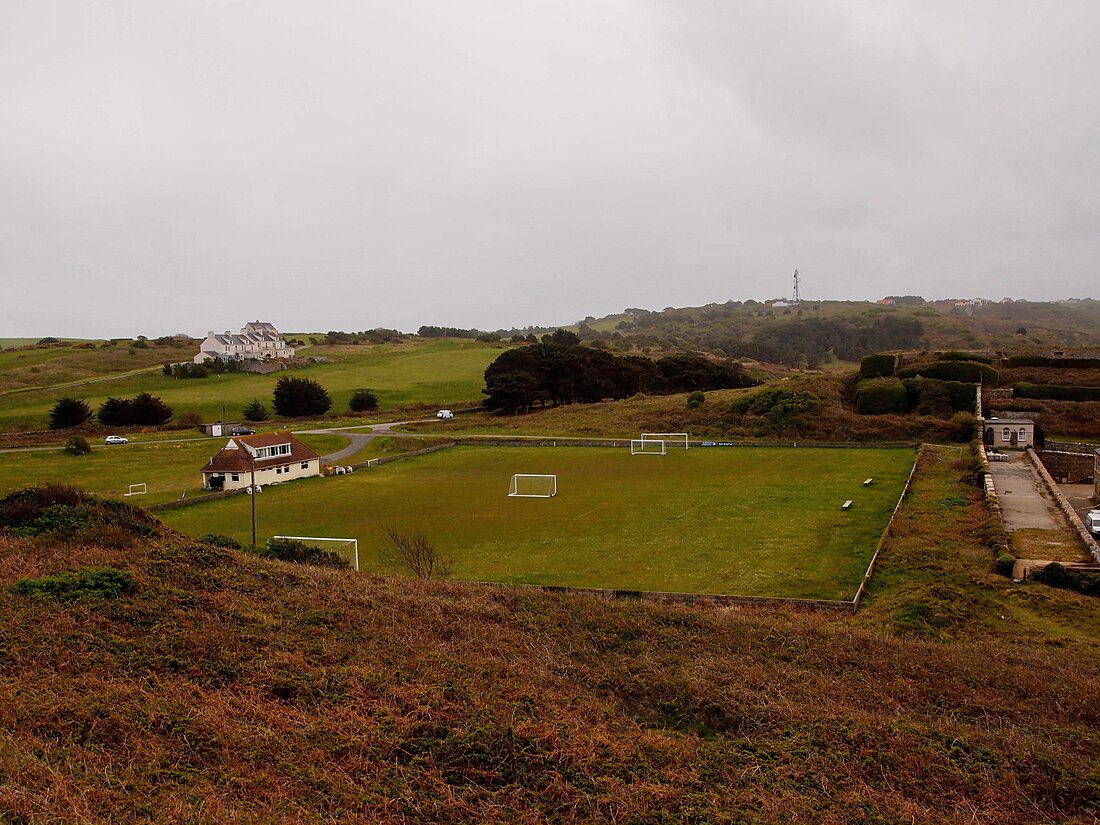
797 297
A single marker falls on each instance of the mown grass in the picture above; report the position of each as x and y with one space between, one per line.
434 372
232 689
750 521
168 468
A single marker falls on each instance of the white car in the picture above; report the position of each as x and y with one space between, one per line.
444 414
115 439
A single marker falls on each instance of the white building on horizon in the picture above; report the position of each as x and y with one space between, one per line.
257 341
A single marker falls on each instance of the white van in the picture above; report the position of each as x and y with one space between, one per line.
1092 521
444 414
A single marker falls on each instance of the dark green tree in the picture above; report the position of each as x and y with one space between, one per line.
69 412
150 411
363 400
256 410
295 397
116 412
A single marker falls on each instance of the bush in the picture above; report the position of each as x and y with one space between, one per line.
189 419
878 365
1045 361
363 400
69 412
779 406
879 396
295 397
410 551
77 445
91 582
1056 575
220 540
299 552
695 399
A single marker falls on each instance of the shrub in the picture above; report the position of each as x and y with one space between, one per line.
77 445
300 396
1056 575
90 582
779 406
1022 389
69 412
879 396
695 399
189 419
877 365
363 400
220 540
412 552
299 552
1046 361
256 410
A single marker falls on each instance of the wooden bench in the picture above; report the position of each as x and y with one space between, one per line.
867 482
846 505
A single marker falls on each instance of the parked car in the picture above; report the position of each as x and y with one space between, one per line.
242 431
444 414
115 439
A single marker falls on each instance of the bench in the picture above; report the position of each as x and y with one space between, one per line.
867 482
846 505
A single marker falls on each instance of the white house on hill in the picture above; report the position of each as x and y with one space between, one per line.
276 457
257 340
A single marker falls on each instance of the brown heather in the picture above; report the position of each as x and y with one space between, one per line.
232 689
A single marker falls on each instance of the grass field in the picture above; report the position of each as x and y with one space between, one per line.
168 468
751 521
440 372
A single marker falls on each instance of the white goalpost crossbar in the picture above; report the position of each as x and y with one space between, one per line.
672 439
137 489
647 446
353 545
533 485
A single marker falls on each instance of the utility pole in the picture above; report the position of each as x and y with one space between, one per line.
252 467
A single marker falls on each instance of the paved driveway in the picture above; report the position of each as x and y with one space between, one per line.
1025 502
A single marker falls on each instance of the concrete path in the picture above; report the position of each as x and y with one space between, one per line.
1025 502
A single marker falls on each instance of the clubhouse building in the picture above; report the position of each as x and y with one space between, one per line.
274 457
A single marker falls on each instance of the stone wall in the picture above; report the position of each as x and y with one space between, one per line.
1072 468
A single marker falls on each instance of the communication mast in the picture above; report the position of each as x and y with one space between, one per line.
796 298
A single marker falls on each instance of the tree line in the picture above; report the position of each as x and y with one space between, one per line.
554 374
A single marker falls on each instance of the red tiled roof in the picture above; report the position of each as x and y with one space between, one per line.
234 457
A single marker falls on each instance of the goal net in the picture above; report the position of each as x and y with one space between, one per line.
345 548
646 446
532 485
136 490
671 439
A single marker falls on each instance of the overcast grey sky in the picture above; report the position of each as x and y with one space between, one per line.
347 164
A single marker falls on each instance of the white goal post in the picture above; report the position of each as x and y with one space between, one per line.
533 485
137 489
646 446
347 548
671 439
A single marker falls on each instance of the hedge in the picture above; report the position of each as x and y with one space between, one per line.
1056 575
1022 389
963 371
1047 361
879 396
877 365
955 355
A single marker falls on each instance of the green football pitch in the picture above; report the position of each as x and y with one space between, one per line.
718 520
